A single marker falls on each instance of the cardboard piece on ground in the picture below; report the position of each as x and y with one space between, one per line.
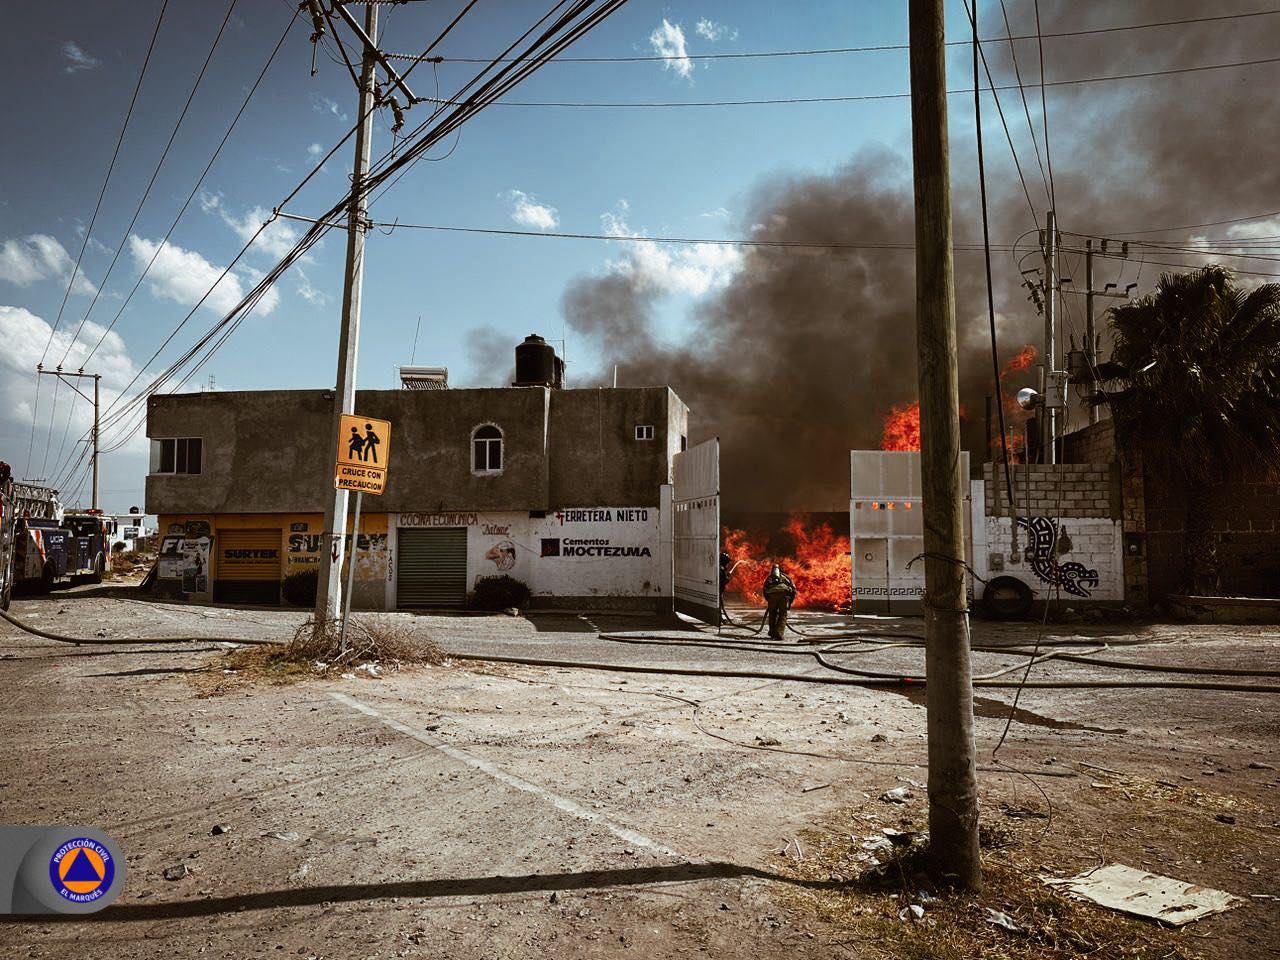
1144 894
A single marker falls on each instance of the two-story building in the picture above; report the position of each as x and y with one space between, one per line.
561 489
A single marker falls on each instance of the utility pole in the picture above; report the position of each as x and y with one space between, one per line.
1050 414
1090 337
97 381
329 584
953 788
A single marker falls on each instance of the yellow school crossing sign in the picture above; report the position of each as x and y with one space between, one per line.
364 448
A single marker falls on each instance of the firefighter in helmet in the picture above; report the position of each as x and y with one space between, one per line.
779 592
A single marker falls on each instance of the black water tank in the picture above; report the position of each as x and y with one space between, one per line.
535 362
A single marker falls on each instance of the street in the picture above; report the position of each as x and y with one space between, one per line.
487 810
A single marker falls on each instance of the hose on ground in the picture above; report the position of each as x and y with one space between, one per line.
123 641
880 682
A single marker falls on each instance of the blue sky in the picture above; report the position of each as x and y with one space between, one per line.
684 172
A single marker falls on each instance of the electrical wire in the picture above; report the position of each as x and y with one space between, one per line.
1044 112
164 154
1026 109
867 49
624 104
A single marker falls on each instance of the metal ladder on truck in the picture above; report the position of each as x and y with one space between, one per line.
18 501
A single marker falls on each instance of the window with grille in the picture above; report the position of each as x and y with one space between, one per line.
486 449
176 455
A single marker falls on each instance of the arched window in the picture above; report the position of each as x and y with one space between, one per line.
486 449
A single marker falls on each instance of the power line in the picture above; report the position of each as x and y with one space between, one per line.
859 98
199 181
876 48
1022 91
1193 226
154 175
1044 114
906 246
107 179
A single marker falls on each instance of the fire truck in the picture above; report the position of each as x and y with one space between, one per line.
36 549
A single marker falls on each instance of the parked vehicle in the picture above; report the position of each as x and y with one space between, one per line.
90 556
34 545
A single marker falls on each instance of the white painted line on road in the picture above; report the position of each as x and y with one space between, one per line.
563 804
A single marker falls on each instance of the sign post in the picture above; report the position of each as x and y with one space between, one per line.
364 450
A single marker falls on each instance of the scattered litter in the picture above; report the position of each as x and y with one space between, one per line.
102 633
879 738
1256 765
219 829
1225 818
303 869
370 668
914 912
897 795
876 844
288 836
1002 920
347 676
816 786
177 872
1143 894
554 898
900 838
511 612
768 741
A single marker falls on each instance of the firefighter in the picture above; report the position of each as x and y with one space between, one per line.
779 593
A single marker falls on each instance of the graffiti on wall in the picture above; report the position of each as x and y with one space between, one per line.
503 555
1075 578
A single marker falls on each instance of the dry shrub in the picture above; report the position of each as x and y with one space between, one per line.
374 644
378 640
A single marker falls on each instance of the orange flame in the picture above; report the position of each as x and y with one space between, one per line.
902 427
818 563
1023 361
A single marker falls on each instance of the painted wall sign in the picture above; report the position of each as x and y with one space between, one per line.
503 555
604 515
438 520
1073 577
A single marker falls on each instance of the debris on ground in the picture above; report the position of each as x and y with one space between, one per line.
1002 919
1144 894
177 871
219 829
897 795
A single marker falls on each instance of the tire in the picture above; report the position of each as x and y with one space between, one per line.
1006 598
46 579
5 595
99 567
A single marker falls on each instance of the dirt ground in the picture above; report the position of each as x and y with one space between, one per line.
481 810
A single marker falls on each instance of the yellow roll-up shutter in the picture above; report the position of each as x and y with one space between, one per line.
248 554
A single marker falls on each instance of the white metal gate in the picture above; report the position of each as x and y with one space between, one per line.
696 509
431 567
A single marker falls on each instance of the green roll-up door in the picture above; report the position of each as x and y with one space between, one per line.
431 567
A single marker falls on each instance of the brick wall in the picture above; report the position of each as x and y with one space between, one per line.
1093 444
1074 490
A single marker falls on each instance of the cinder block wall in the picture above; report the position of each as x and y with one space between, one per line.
1076 490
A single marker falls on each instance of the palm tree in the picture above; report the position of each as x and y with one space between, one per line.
1201 399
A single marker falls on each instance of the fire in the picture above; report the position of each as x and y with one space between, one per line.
902 427
1023 361
818 562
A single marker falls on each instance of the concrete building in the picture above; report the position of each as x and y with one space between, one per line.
562 489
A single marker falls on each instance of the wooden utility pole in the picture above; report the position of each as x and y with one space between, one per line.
953 788
333 548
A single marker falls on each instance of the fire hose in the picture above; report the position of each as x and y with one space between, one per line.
122 641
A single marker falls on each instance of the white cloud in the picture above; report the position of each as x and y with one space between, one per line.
25 336
323 104
313 296
315 151
719 213
275 241
667 41
710 30
36 257
526 210
693 269
77 58
184 276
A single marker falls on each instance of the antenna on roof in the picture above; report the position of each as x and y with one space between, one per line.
414 355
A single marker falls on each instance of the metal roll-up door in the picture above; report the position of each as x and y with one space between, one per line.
431 567
248 569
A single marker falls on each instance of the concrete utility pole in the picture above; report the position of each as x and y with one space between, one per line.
1090 353
97 381
329 584
953 788
1050 413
